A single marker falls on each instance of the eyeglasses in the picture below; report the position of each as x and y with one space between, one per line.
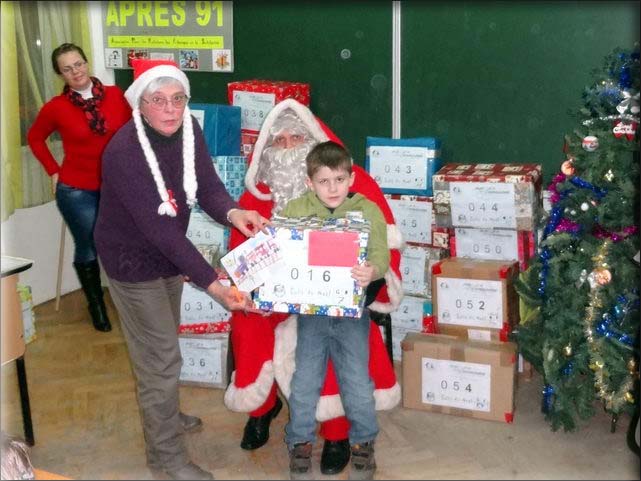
76 66
159 103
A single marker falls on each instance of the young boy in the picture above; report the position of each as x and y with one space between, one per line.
344 340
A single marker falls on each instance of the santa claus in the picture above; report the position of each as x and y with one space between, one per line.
264 346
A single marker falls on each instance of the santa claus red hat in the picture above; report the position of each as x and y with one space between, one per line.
145 71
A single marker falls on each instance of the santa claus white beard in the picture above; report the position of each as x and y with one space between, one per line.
284 171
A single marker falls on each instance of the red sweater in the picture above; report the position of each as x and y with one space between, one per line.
82 147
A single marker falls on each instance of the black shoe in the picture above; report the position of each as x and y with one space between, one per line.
89 276
257 428
335 456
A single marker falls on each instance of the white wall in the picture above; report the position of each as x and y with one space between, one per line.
34 233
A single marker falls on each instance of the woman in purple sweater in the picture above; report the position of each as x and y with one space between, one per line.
154 170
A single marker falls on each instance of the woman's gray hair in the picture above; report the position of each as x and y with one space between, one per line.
159 82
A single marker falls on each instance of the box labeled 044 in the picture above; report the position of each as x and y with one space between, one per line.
449 375
475 299
504 196
314 276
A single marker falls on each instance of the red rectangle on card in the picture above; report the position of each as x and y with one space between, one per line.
336 249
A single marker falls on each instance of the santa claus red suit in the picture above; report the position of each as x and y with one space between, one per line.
264 346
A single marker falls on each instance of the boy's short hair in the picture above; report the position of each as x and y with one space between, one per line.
328 154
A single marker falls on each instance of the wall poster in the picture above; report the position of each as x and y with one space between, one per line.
196 35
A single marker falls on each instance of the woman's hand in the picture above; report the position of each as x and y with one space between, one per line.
249 222
364 273
229 297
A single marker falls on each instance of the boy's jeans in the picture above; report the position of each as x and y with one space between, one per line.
344 340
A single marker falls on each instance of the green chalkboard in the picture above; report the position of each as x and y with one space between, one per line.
495 81
303 42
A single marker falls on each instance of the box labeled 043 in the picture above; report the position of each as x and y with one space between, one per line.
475 299
449 375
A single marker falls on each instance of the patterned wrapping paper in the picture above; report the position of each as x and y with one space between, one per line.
232 169
526 179
294 230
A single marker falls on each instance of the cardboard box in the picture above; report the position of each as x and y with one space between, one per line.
493 244
475 299
448 375
416 269
505 196
413 216
221 127
257 97
204 360
403 166
315 275
200 313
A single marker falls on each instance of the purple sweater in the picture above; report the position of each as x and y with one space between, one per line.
133 241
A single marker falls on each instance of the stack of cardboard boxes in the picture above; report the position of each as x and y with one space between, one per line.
469 368
403 168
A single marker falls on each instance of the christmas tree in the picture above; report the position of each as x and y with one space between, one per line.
579 299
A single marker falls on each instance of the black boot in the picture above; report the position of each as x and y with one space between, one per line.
335 456
256 431
89 276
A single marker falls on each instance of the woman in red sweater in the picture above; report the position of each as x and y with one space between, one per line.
86 115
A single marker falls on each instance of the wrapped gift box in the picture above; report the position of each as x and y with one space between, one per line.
208 236
488 196
403 166
449 375
232 170
414 314
413 216
416 269
440 237
28 315
475 299
204 360
221 127
200 313
493 244
257 97
315 277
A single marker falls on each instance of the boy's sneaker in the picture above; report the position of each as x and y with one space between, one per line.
300 461
363 462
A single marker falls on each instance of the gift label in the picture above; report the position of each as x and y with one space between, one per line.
414 219
199 115
202 229
400 167
199 307
298 282
463 385
487 244
409 314
254 107
202 359
413 263
470 302
483 204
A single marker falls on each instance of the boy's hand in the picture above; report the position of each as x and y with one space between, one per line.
364 273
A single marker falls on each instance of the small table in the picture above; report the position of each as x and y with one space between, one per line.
13 345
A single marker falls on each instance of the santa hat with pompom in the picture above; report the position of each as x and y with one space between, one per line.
145 71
